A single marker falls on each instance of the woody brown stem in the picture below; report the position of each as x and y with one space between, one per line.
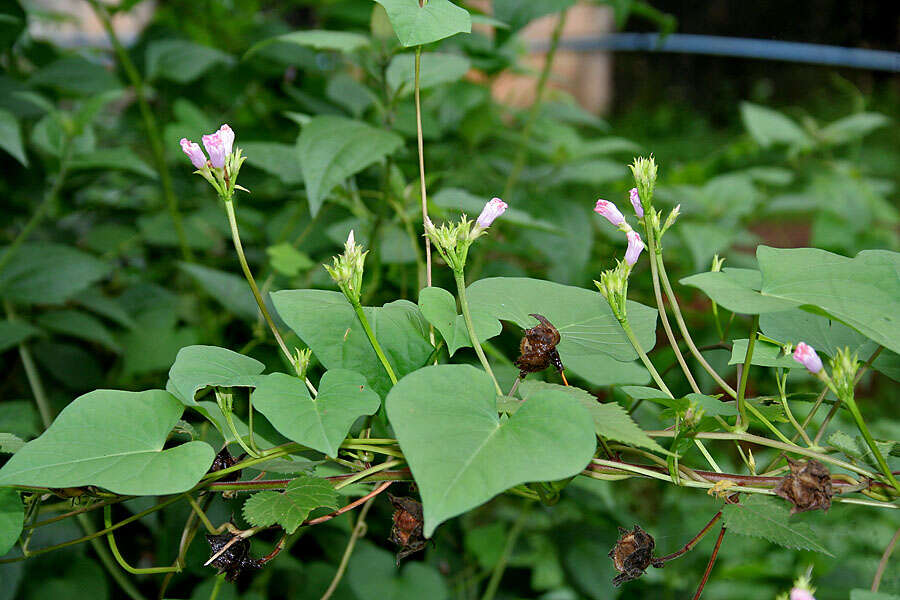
687 547
709 566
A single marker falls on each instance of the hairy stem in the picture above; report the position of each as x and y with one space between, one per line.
644 358
467 316
421 145
156 145
522 151
745 375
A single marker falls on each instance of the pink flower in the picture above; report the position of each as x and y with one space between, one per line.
227 136
610 212
193 151
800 593
216 149
636 203
635 247
491 211
806 355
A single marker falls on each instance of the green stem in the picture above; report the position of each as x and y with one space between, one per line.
781 382
357 308
156 145
370 471
41 210
679 319
514 532
359 530
850 401
421 145
745 374
111 538
467 316
882 564
626 327
108 562
654 272
220 579
768 424
522 151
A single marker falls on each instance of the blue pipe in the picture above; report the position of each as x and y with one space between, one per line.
819 54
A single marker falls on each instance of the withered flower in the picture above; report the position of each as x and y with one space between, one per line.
407 531
807 486
236 557
632 554
537 351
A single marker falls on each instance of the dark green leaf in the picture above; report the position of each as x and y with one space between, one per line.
439 307
228 289
277 159
12 517
80 325
181 61
318 39
764 355
770 127
112 158
12 333
46 273
292 506
77 75
373 575
11 137
768 518
435 68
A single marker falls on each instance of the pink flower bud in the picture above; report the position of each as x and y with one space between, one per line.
193 151
636 203
806 355
800 593
610 212
635 247
227 136
491 211
216 149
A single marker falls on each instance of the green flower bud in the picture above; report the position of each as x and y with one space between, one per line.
347 270
843 372
644 171
613 285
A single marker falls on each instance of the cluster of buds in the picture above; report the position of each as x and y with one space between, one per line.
452 241
802 590
347 270
613 285
844 367
224 163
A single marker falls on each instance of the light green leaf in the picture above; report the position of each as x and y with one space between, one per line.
12 333
446 406
439 307
292 506
857 448
611 421
198 367
11 137
287 260
768 518
80 325
112 158
415 25
318 39
331 149
10 444
114 440
605 372
12 517
825 335
704 241
47 273
435 68
325 322
518 14
320 423
230 290
75 74
764 355
736 290
181 61
852 127
584 320
275 158
770 127
373 575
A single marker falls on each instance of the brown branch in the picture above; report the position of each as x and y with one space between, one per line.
709 566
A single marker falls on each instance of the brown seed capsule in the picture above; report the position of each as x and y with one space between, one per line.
807 486
632 554
407 531
224 460
537 351
236 557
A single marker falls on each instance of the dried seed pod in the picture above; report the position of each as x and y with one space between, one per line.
632 554
537 351
224 460
236 557
807 486
407 531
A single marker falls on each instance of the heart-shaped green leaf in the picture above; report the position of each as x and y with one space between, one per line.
290 507
12 517
416 25
320 423
325 321
454 407
590 332
114 440
197 367
373 575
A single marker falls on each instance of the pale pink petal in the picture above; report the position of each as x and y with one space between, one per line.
193 151
491 211
609 211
